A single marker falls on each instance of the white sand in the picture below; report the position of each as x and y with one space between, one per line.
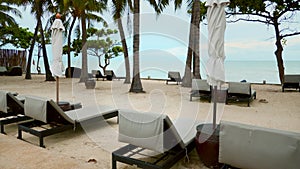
73 149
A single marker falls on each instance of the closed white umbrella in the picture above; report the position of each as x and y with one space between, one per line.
216 30
57 67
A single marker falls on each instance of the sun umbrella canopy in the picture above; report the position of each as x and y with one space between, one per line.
216 29
57 28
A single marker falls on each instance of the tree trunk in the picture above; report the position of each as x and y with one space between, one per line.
278 52
187 78
84 68
196 24
125 51
69 46
136 85
49 76
28 68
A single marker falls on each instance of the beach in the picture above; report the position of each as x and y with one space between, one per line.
92 148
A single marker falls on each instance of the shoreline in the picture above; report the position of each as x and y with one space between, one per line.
162 79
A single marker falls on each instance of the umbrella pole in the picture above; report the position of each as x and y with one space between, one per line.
57 90
214 106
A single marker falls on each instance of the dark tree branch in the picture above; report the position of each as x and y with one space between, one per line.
252 14
251 20
290 34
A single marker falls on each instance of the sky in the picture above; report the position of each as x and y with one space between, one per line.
164 39
243 40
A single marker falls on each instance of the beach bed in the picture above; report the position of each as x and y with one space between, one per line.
51 119
11 110
200 88
240 91
174 77
154 137
291 81
248 146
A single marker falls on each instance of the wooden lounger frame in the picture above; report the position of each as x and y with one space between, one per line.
15 114
291 81
56 125
174 77
165 160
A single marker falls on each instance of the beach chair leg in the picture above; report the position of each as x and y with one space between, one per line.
19 134
42 142
114 162
2 128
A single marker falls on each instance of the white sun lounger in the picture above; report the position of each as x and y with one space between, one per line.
155 133
47 112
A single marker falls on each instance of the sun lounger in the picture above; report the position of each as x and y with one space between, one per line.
97 74
200 88
11 110
247 146
291 81
174 77
14 71
3 70
110 75
155 137
241 91
51 119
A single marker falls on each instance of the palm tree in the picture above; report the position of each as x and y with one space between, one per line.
198 12
5 9
119 6
83 10
37 9
136 85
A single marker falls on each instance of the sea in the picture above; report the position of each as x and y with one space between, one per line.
252 71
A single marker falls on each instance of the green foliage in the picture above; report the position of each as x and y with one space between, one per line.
272 7
101 44
15 35
203 10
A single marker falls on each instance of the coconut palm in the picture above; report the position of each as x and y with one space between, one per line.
198 11
83 9
5 10
136 85
38 9
118 9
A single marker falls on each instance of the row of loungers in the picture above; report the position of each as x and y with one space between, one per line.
174 141
236 91
43 117
242 146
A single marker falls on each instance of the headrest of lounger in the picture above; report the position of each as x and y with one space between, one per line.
239 87
14 103
3 101
142 129
175 75
36 108
199 84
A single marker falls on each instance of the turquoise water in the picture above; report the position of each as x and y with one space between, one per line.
251 71
257 71
156 67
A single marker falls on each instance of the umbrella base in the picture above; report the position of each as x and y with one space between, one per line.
90 84
207 145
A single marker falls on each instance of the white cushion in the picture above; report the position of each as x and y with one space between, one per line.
3 101
246 146
142 129
36 108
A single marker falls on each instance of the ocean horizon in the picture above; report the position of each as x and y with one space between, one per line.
252 71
